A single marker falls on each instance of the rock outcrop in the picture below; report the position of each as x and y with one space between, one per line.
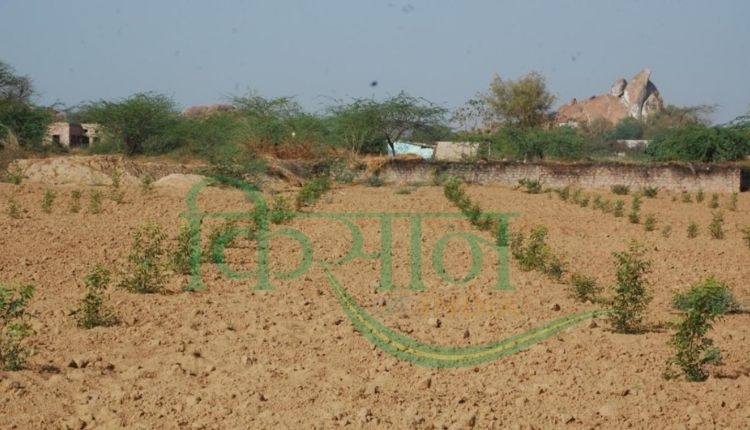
638 99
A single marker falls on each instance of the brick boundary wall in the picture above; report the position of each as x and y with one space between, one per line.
670 176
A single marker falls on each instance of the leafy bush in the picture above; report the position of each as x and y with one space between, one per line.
532 186
746 235
453 191
699 195
536 255
687 198
716 228
620 190
93 311
627 128
585 287
716 296
145 274
697 142
312 190
650 192
180 259
703 304
631 293
692 230
14 326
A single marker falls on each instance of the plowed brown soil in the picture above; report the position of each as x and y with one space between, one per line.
233 357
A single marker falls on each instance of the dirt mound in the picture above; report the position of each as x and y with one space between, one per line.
178 181
93 170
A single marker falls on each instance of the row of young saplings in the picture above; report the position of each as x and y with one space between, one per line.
116 194
617 207
700 306
148 265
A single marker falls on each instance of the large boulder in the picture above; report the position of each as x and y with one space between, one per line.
638 99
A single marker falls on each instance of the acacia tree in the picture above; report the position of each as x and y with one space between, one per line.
14 87
134 120
366 122
524 102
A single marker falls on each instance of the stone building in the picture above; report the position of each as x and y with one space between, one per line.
71 135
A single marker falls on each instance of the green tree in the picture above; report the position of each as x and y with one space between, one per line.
138 120
697 142
20 119
355 125
402 116
524 102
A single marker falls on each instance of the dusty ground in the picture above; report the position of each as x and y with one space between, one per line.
231 357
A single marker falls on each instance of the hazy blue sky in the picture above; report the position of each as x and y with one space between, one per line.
201 52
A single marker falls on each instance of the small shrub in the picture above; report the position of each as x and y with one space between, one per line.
716 228
585 287
95 202
692 230
687 198
583 201
47 201
147 183
649 222
732 206
635 204
746 235
634 217
532 186
181 259
714 203
716 296
666 232
563 193
536 255
374 181
14 211
117 194
75 201
312 190
703 305
94 311
700 195
281 210
618 210
650 192
620 190
145 274
14 326
14 177
575 196
631 293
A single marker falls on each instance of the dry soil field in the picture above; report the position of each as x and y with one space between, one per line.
231 356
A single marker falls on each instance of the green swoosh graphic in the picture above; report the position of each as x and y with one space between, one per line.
424 354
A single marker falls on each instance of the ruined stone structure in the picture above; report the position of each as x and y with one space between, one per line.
70 135
637 99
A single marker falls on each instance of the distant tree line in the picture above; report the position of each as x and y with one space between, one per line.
513 119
